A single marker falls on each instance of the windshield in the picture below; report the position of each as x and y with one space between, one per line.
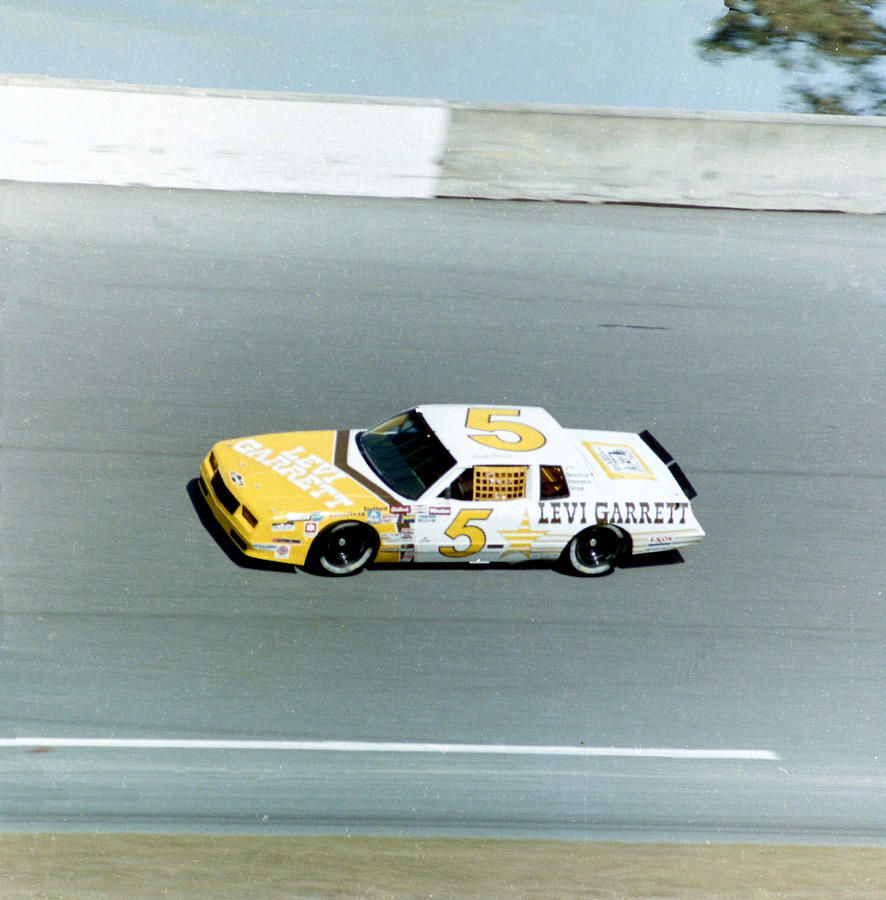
405 454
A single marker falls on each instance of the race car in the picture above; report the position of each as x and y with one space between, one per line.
450 483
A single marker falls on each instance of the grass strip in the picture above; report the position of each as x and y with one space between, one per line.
197 866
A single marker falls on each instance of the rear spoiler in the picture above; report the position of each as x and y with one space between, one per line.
671 463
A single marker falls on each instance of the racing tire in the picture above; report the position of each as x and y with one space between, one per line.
343 549
594 551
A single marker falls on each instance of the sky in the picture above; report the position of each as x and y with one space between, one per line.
630 53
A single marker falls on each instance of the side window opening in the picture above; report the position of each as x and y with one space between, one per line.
552 482
489 483
499 482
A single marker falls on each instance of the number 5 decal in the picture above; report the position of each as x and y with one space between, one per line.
460 528
527 437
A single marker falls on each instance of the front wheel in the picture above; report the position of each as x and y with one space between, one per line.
343 549
594 551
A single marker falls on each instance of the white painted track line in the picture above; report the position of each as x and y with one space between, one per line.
31 743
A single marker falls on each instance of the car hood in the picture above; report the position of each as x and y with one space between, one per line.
296 473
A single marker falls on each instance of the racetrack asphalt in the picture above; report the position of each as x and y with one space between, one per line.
140 326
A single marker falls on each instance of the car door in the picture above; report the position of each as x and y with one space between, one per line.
470 518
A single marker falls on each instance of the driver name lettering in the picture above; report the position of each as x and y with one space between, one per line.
310 473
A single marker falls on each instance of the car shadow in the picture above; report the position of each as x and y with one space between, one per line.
647 560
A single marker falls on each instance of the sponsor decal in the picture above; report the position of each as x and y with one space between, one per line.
310 527
288 525
281 551
626 512
237 478
404 534
660 540
618 460
439 511
265 548
401 510
556 512
373 516
310 473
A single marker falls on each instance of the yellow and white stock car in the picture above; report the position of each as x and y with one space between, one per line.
450 483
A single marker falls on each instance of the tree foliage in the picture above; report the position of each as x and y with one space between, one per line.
834 47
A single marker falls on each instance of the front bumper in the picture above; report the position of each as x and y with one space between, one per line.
238 522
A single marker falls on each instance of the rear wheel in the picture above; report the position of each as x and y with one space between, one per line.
594 551
343 549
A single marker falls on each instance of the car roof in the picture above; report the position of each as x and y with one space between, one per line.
449 422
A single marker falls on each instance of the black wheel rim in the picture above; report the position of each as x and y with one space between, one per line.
347 547
598 548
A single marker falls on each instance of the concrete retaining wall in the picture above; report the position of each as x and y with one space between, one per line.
753 162
52 131
56 131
